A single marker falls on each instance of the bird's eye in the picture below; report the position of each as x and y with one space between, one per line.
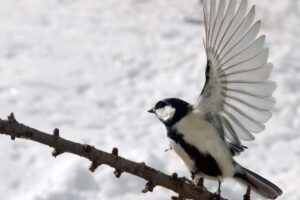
160 104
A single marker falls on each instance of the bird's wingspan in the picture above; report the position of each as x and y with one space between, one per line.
237 94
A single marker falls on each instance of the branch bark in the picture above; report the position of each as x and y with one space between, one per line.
185 190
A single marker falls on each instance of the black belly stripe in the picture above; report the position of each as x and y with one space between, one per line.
205 163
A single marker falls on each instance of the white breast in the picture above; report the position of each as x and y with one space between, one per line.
202 135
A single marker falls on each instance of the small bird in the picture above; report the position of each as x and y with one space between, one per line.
235 102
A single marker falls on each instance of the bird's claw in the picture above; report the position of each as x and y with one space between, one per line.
217 196
183 179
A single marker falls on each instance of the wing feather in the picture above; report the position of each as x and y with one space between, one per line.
247 121
237 91
257 74
258 114
229 130
218 21
224 27
246 53
260 103
246 39
259 59
239 129
234 24
239 33
212 20
259 88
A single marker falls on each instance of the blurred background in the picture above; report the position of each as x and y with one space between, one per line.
93 69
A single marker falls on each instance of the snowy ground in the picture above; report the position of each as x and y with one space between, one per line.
93 68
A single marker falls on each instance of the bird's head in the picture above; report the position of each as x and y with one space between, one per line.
170 111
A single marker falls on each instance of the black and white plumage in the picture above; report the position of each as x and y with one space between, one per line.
234 103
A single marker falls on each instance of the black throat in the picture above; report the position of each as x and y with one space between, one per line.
204 163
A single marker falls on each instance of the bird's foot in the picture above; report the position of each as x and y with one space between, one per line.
187 180
218 193
199 181
217 196
183 179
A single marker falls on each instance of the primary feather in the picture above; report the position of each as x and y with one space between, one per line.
237 96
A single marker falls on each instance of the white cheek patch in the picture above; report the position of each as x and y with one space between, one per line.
166 113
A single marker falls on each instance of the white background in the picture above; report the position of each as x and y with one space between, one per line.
93 68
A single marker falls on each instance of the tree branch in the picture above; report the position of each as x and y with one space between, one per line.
97 157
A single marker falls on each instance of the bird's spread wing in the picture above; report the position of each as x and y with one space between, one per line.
237 96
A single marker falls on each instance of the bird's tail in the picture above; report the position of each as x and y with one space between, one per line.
261 185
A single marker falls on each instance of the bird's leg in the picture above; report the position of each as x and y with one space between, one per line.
218 194
219 187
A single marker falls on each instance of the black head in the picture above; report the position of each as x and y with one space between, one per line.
170 111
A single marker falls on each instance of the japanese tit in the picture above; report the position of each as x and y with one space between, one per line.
235 102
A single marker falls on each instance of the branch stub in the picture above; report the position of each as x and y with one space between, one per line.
115 152
11 118
94 166
118 173
56 132
56 153
174 176
150 185
87 148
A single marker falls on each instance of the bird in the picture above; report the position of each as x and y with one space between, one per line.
235 102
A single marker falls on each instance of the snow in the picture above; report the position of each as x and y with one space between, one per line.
93 69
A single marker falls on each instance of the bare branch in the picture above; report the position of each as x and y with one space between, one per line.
97 157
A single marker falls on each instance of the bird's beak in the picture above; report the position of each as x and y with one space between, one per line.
151 110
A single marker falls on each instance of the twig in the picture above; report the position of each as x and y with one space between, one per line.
247 195
154 177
